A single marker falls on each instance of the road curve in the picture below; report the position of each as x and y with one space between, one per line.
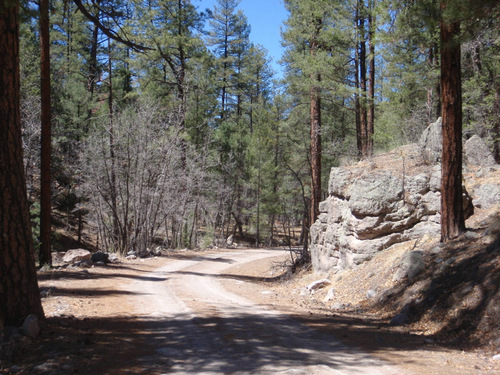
201 328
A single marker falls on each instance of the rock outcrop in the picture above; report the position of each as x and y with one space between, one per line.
477 153
391 198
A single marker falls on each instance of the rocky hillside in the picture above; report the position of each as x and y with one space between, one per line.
377 240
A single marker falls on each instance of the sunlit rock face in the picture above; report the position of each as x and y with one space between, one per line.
385 200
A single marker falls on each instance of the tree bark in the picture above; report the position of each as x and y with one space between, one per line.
93 69
19 294
362 97
315 130
357 103
45 172
119 239
315 151
452 217
370 129
496 124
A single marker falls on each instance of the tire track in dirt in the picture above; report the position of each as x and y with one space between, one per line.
206 329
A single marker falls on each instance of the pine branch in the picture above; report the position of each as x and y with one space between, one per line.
108 32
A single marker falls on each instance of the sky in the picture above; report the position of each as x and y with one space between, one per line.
265 18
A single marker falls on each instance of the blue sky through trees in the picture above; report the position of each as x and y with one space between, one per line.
266 19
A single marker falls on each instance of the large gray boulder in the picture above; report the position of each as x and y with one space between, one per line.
487 196
375 193
477 153
431 142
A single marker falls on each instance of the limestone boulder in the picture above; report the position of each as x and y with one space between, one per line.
77 255
375 193
477 152
431 142
487 196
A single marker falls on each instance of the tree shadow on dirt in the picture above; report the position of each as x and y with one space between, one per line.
461 289
181 344
253 279
85 292
198 258
84 274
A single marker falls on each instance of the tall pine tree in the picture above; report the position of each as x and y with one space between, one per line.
19 294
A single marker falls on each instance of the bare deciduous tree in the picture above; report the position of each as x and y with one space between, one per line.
30 126
158 193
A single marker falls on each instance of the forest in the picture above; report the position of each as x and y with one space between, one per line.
159 124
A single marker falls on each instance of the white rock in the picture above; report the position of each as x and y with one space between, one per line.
77 255
371 293
337 306
329 294
496 357
45 367
319 284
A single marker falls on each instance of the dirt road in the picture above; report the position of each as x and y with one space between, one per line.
213 312
202 328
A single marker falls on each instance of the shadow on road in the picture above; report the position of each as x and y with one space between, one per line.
236 344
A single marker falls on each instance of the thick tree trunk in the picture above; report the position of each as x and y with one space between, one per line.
45 172
452 217
19 294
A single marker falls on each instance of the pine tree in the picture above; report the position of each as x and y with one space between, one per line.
452 215
481 90
19 294
315 50
410 71
229 38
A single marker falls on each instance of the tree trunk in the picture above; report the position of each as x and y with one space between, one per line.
119 237
19 294
363 116
93 69
371 89
452 217
438 89
430 106
357 103
257 234
496 124
315 131
315 151
45 172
